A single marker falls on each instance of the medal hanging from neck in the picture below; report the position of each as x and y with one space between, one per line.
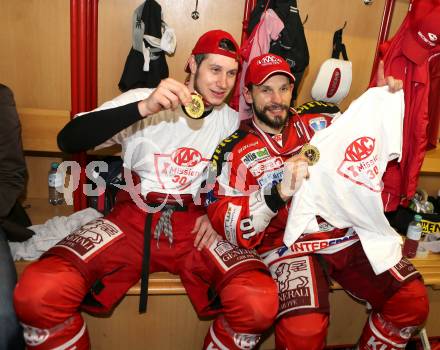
196 107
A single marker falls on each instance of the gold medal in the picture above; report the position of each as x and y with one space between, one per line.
311 152
196 107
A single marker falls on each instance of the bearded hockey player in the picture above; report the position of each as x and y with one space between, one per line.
258 170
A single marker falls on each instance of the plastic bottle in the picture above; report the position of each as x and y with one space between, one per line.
55 180
413 235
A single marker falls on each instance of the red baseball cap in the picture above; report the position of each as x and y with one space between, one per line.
422 36
264 66
210 42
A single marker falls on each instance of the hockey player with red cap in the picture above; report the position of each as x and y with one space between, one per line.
166 147
258 170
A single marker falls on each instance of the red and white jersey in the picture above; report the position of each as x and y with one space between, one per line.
344 187
247 164
169 151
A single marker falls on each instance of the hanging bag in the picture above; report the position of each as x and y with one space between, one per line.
334 77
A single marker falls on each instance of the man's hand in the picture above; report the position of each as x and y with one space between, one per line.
295 171
206 235
393 84
168 95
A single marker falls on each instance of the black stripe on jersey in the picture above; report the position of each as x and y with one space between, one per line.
223 148
317 107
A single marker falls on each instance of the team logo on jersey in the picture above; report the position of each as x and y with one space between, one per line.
318 123
34 336
361 164
178 169
188 157
325 227
255 156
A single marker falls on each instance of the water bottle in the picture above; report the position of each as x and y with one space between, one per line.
55 180
413 235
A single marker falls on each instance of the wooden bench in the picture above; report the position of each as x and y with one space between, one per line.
171 322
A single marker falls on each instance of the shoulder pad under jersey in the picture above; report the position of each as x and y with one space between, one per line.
317 107
224 147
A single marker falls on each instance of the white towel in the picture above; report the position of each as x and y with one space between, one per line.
50 233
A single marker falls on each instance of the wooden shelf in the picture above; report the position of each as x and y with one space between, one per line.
40 210
40 128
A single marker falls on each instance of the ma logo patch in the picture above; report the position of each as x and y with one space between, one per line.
361 164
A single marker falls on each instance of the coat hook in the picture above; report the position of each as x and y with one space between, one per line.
305 21
345 24
195 14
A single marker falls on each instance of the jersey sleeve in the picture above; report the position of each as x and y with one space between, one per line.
104 126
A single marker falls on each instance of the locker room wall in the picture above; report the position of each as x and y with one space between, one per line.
35 46
35 42
324 17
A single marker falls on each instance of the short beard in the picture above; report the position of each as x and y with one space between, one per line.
278 123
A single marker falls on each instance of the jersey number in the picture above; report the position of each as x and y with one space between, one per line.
180 179
247 228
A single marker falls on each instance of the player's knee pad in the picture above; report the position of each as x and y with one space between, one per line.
409 306
301 332
69 335
222 336
49 292
250 302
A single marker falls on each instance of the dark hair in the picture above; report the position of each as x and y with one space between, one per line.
225 44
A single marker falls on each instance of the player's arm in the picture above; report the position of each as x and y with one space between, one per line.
382 80
243 219
92 129
240 219
168 95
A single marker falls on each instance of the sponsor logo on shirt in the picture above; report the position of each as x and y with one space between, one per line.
245 147
430 40
231 220
271 178
255 156
267 165
361 164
